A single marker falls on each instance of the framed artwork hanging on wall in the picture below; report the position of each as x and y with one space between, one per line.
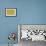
10 12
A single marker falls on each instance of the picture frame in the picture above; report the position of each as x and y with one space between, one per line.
10 12
40 28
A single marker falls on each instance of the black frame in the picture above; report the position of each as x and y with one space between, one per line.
10 8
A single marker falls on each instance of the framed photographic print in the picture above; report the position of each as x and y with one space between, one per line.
33 32
11 12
